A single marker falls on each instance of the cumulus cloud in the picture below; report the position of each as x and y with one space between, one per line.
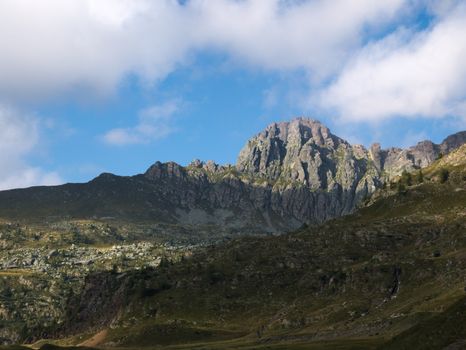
154 123
408 74
52 46
55 46
315 35
67 45
20 136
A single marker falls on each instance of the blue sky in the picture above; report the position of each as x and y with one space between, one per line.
97 86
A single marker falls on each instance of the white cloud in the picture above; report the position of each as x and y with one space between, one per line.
409 74
51 46
73 45
54 46
19 135
315 35
154 123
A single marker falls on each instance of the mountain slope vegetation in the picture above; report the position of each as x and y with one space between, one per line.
385 277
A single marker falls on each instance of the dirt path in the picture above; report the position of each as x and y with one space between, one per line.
96 339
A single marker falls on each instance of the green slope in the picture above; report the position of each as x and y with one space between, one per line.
447 329
391 275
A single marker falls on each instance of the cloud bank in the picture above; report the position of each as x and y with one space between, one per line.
53 46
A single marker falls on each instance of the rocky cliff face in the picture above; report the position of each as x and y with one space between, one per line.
314 175
311 174
291 173
305 150
393 161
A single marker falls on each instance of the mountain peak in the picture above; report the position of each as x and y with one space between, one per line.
296 150
300 128
297 121
453 142
159 171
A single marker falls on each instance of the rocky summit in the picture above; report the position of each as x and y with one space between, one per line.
289 174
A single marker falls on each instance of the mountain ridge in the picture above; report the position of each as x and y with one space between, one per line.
290 173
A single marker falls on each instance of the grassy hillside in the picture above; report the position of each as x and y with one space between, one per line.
390 276
393 269
447 329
